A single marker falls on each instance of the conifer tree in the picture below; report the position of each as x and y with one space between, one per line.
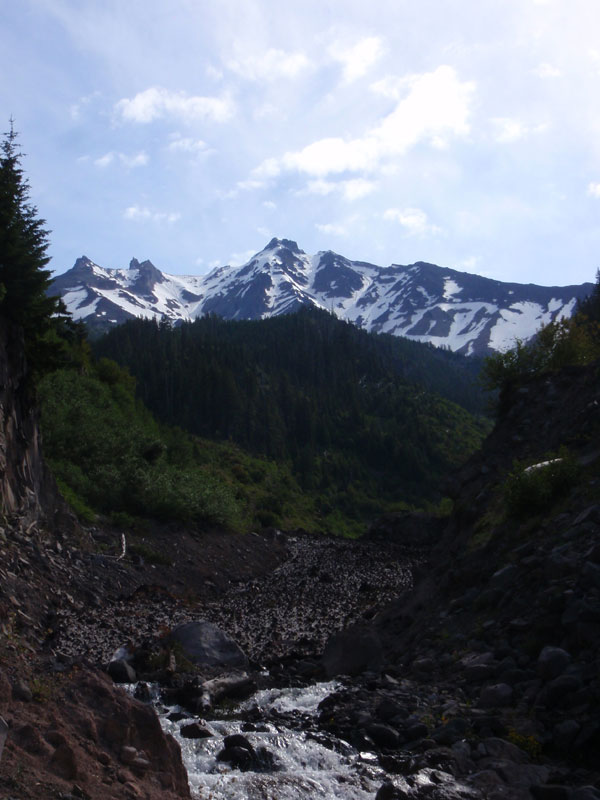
24 279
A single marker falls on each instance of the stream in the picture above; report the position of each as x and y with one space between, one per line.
304 764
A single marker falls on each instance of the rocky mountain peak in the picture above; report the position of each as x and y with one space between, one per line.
468 313
289 244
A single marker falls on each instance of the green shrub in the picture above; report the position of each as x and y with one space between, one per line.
532 488
79 506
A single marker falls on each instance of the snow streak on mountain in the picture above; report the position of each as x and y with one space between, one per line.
468 313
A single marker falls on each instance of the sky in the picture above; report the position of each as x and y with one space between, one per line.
465 133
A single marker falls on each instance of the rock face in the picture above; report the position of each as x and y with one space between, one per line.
26 488
97 737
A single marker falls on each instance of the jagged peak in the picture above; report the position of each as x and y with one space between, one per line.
290 244
83 263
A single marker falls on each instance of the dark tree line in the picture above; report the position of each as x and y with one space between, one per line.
344 407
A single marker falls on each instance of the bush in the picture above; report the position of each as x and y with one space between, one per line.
558 344
530 489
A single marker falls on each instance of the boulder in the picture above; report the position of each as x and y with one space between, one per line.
352 651
195 731
206 645
552 662
383 735
121 671
565 733
499 695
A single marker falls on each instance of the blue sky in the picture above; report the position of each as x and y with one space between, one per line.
189 132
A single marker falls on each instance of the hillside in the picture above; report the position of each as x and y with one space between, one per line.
364 421
505 619
466 313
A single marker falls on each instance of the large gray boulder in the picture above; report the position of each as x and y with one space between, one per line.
206 645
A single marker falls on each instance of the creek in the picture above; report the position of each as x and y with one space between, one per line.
305 763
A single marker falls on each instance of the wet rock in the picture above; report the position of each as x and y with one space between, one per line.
383 735
121 671
142 692
238 687
552 662
195 731
238 752
177 716
205 644
388 791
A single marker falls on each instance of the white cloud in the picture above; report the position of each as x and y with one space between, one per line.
357 188
469 263
104 160
437 106
594 190
144 214
359 58
391 86
269 205
510 130
350 190
413 220
332 228
270 65
319 187
181 144
237 259
138 160
156 102
546 70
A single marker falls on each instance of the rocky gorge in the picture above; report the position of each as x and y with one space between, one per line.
464 648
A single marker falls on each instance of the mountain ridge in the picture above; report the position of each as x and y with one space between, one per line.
468 313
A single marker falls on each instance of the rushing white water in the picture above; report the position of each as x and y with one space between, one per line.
305 768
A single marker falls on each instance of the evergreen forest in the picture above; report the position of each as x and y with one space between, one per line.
360 423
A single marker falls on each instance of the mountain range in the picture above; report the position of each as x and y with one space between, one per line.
467 313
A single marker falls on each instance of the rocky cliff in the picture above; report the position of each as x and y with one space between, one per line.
64 730
499 642
25 485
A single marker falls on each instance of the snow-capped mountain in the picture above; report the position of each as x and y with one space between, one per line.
468 313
